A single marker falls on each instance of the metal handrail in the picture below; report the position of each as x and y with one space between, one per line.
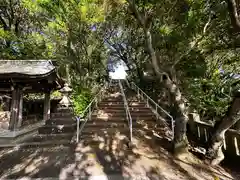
88 110
127 111
141 93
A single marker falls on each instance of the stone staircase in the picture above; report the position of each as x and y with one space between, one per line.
109 118
104 142
58 130
61 121
103 151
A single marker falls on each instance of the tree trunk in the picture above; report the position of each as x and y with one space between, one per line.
139 73
180 129
233 13
180 138
215 150
68 75
237 126
152 51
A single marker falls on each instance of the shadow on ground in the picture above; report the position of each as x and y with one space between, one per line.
106 155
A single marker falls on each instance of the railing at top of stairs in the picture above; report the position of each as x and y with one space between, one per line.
127 111
86 114
155 107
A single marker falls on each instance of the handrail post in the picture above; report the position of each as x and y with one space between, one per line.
173 131
89 113
99 97
131 131
156 109
127 111
86 114
78 123
145 96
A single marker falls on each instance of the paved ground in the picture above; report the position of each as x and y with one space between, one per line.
106 157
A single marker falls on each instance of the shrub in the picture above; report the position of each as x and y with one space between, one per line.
81 99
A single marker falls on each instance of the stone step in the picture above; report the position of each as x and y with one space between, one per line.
51 137
95 135
63 119
121 101
114 118
104 130
105 125
63 109
61 114
110 102
118 98
38 145
121 107
132 110
102 121
113 107
121 122
122 114
120 104
60 121
57 129
96 141
115 125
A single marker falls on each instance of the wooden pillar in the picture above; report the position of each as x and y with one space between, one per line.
46 111
20 117
16 109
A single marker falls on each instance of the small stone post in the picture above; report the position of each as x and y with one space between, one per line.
66 90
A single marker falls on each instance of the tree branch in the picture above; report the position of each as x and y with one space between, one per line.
196 42
5 27
173 6
138 16
207 24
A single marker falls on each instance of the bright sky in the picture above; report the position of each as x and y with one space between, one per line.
119 71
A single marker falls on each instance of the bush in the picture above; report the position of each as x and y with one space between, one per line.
81 99
210 97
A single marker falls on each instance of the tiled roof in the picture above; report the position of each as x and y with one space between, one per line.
26 67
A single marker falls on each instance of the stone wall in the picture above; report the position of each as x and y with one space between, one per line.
4 120
201 132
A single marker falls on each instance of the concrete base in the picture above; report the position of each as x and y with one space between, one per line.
13 137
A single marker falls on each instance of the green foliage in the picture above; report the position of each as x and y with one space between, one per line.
56 94
81 99
32 96
192 40
212 96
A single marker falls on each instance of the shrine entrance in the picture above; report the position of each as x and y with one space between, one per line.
20 81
